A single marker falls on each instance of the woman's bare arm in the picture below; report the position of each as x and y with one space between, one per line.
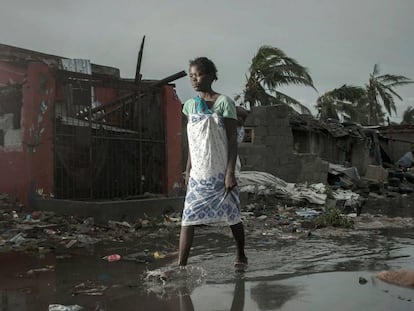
231 131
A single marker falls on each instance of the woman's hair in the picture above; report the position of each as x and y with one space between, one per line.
205 65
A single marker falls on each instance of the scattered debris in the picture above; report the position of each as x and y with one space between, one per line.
89 288
262 183
158 255
307 213
45 269
56 307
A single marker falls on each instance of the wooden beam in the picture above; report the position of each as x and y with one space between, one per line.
139 61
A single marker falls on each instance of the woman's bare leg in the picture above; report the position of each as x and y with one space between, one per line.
238 234
186 240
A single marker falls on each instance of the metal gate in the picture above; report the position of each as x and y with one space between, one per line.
107 151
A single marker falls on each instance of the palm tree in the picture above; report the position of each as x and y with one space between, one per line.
380 92
270 69
346 100
408 116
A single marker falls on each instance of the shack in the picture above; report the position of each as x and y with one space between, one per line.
71 129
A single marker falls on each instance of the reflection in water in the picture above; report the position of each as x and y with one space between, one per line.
272 296
238 295
186 304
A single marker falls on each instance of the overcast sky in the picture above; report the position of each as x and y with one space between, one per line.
338 41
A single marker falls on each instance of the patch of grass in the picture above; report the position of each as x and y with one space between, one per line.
332 217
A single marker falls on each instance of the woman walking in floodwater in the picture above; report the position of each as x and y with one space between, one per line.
212 195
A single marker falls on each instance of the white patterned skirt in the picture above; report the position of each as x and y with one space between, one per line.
206 201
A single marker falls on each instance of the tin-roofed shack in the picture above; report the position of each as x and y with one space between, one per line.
71 129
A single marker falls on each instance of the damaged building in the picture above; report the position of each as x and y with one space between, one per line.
71 129
395 141
299 148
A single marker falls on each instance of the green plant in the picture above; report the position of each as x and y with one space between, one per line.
332 217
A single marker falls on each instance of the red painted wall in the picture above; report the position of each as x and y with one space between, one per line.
172 118
13 166
37 119
29 168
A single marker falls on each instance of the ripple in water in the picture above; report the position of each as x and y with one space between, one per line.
172 281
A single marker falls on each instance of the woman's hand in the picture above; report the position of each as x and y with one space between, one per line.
186 179
230 181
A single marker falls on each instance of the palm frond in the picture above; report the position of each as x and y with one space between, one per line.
270 68
387 100
408 116
287 100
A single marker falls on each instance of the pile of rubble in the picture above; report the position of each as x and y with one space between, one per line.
378 182
315 195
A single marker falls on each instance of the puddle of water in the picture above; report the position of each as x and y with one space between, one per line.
323 291
315 273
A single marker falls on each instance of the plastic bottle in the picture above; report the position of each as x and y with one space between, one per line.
113 257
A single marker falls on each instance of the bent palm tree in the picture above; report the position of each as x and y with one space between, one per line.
380 92
347 100
270 69
408 116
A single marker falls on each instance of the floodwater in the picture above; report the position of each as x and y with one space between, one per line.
324 271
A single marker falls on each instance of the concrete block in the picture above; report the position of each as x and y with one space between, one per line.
259 140
283 111
12 138
287 159
268 115
279 142
261 130
6 121
252 120
377 173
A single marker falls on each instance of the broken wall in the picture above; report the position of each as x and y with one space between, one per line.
271 148
348 145
399 140
26 159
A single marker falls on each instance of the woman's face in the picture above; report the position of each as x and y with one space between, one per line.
200 81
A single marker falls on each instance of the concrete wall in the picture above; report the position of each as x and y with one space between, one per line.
360 157
103 211
400 140
26 161
272 148
173 137
345 150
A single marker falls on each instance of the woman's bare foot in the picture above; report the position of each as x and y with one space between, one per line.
241 264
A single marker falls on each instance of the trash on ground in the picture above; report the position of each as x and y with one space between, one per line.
158 255
57 307
307 213
111 258
37 270
89 288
